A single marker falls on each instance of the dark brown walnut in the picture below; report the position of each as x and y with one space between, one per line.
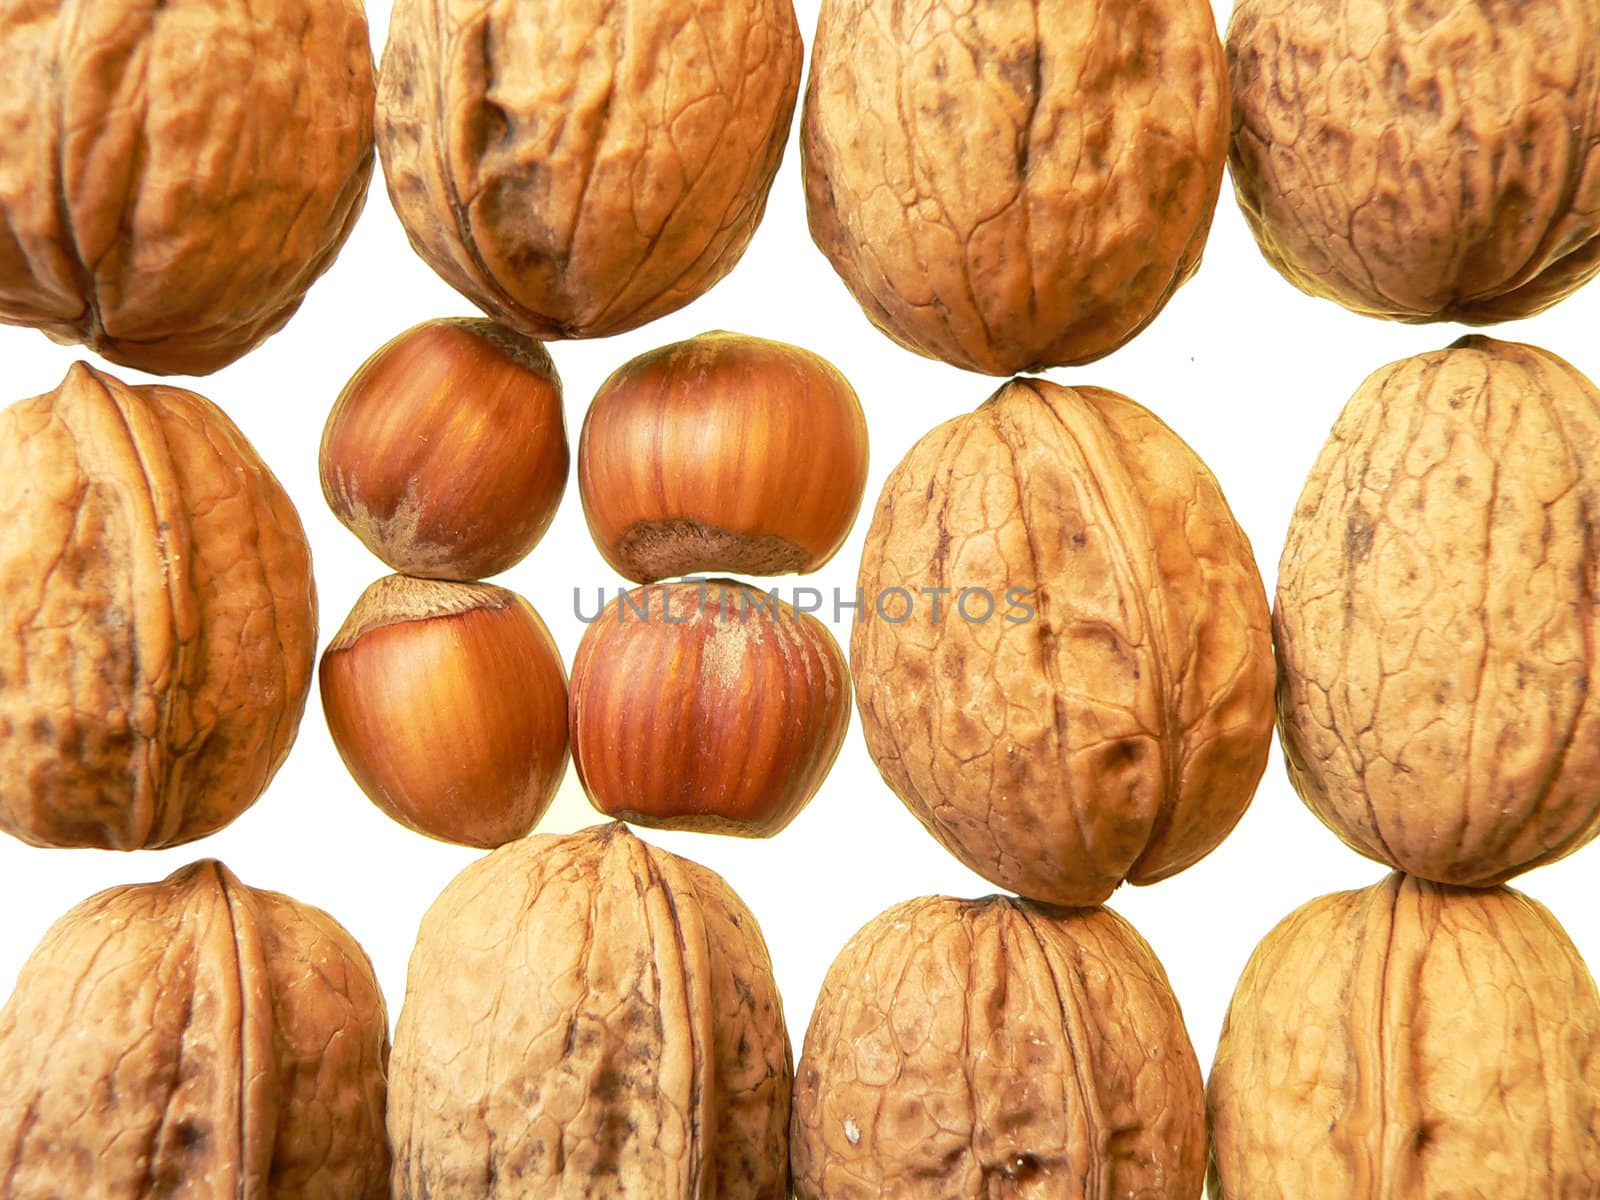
589 1017
175 174
1064 668
1016 184
157 617
1410 1041
579 169
1421 161
977 1049
194 1038
1436 619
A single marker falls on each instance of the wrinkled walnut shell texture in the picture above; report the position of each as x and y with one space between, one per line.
1436 624
1119 733
977 1049
1410 1041
194 1038
1419 161
174 174
1015 184
579 169
157 617
587 1016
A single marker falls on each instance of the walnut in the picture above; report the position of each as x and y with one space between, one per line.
1064 667
157 617
1439 690
1410 1041
1012 185
1421 161
996 1047
587 1016
175 174
581 168
194 1038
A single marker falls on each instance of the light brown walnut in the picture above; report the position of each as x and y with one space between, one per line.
589 1017
175 174
1436 618
577 169
996 1048
1089 699
194 1038
1418 160
157 617
1015 184
1410 1041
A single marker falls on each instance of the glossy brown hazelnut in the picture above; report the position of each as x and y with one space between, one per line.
722 453
708 706
448 703
446 453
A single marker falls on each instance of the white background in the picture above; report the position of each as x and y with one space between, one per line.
1249 371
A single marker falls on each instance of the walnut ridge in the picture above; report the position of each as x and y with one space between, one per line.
157 617
1439 691
579 169
1016 184
1418 161
971 1049
1115 724
175 174
1410 1041
194 1038
587 1016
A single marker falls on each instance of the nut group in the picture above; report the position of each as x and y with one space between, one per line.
1060 647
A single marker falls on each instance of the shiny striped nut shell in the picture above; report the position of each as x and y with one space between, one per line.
1064 666
174 175
1436 618
1410 1041
589 1017
579 169
995 1047
1421 161
194 1038
157 617
706 705
1015 184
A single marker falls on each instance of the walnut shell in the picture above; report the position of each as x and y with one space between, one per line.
1093 701
579 169
987 1048
1436 619
157 617
1410 1041
1421 161
194 1038
1014 185
587 1016
175 174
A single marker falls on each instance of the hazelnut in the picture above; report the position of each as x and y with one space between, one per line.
577 169
1007 186
158 621
446 453
1065 663
448 703
175 175
1436 625
194 1038
1413 1042
722 453
997 1048
590 1018
706 706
